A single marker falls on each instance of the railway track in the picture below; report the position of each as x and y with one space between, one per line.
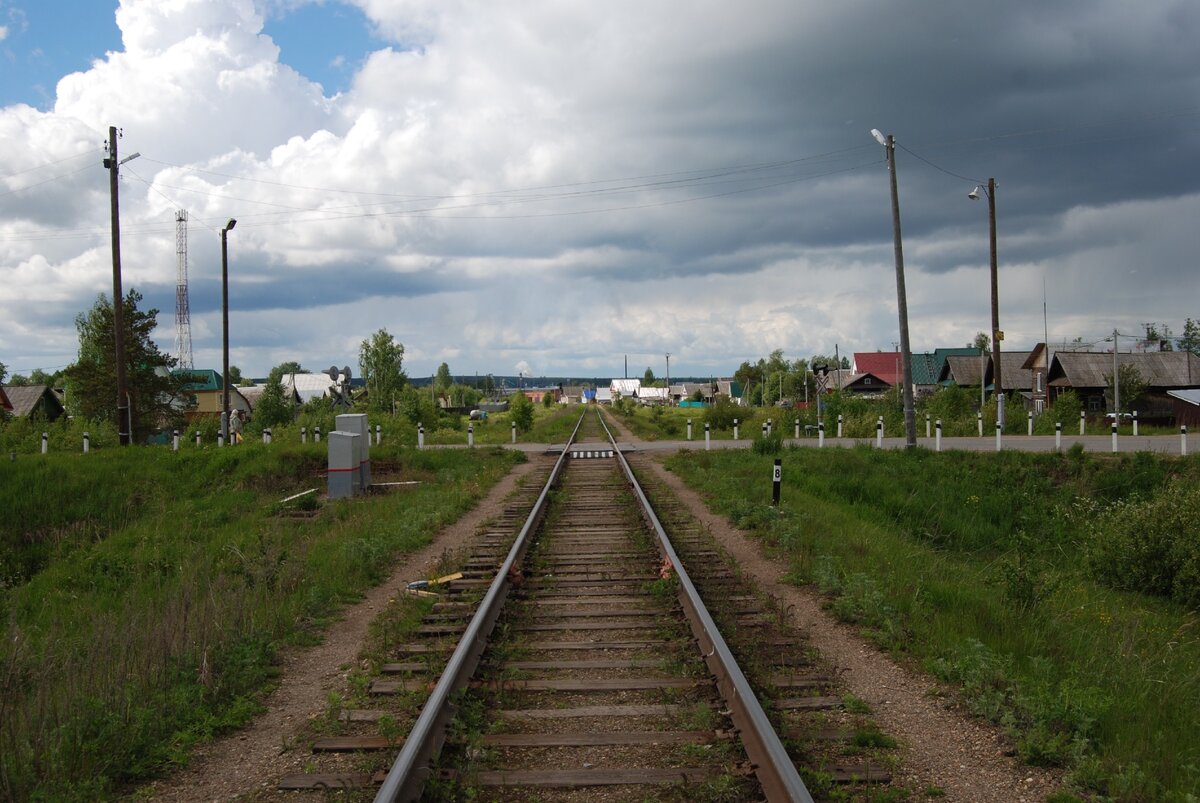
575 659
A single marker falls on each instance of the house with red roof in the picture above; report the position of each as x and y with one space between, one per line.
883 365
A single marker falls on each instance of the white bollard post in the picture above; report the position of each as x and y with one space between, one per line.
1114 436
266 436
220 439
1183 441
689 429
378 434
735 429
316 434
1058 436
470 435
820 434
421 436
707 437
1135 427
979 418
770 425
797 435
197 438
514 432
1082 422
45 443
937 444
1030 423
879 432
175 441
87 442
927 432
839 425
304 434
998 431
764 429
270 434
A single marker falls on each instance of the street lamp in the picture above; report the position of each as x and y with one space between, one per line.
225 328
910 413
997 335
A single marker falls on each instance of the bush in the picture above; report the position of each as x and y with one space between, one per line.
1152 546
722 414
521 410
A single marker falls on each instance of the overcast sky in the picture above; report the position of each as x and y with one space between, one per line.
550 186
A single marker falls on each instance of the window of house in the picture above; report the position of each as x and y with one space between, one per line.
1095 404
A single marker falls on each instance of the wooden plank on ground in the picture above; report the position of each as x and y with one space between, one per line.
808 703
596 739
598 776
664 710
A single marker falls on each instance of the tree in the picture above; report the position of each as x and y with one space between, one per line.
381 359
1160 334
235 375
157 397
981 342
648 378
1132 385
273 407
283 369
1191 337
444 379
522 411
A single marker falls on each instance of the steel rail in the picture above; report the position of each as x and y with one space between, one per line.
412 767
772 765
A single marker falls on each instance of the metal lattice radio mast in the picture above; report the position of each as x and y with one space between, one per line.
183 317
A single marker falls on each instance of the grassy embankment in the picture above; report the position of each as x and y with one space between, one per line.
1001 574
144 594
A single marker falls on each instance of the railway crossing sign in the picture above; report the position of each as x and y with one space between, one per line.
821 375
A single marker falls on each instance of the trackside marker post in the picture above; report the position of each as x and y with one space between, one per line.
304 434
707 437
735 429
979 418
999 432
776 481
820 434
1058 436
1135 424
797 435
197 437
839 425
1082 421
175 440
470 435
1030 414
317 434
45 443
927 425
514 432
937 443
879 433
421 436
378 434
1114 436
1183 441
689 429
87 442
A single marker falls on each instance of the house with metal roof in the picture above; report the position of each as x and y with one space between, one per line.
307 386
883 365
926 367
206 385
39 402
1186 407
624 388
649 395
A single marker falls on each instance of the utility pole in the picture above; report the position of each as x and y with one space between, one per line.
910 413
997 335
124 428
668 374
1116 382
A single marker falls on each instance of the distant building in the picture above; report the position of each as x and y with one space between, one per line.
206 385
39 402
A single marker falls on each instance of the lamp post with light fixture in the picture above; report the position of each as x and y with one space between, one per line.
225 329
997 335
910 413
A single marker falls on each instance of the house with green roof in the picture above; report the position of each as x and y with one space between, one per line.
206 385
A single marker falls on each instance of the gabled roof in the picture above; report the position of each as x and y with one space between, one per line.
862 379
626 387
307 386
653 393
25 399
883 365
1013 374
963 370
1160 371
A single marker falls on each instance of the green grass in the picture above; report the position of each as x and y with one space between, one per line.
155 588
975 566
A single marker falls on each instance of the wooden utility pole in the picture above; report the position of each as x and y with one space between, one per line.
910 413
124 422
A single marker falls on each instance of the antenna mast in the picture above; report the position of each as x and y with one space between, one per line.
183 317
